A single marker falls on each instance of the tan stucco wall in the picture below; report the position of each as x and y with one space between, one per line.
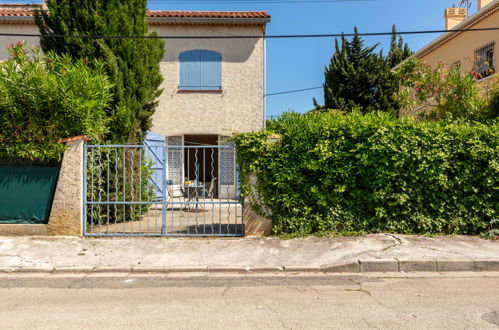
238 108
5 41
462 47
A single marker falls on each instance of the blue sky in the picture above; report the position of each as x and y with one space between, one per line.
299 63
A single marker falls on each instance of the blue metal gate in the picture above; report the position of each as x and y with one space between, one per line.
161 189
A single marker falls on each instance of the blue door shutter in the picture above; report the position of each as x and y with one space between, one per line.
200 70
155 154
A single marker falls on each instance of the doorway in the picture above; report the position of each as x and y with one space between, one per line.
201 161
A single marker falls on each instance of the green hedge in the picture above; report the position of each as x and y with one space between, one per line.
333 173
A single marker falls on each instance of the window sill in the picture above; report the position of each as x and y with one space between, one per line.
485 78
214 91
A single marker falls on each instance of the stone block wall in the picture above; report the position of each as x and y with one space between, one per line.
255 224
66 216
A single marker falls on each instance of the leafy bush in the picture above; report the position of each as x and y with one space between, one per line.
47 97
493 95
333 173
440 93
132 64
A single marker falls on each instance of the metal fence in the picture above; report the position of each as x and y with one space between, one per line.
162 190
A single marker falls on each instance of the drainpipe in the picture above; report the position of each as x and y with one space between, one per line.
264 81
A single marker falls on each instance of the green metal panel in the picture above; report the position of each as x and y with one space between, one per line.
26 193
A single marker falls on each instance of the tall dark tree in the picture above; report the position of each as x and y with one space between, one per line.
399 51
358 78
132 64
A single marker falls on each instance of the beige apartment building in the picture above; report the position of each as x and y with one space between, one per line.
475 50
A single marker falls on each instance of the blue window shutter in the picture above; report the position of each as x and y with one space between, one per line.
200 70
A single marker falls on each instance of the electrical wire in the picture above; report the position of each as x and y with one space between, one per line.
282 36
259 36
211 2
293 91
252 2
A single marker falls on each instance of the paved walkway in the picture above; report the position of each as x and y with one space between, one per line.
369 253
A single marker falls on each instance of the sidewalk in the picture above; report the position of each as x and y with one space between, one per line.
370 253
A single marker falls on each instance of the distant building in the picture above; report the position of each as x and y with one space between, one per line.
471 50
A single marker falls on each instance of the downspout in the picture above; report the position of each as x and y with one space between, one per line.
264 81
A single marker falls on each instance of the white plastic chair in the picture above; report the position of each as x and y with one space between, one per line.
211 190
176 192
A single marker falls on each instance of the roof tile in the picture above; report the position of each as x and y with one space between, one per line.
21 10
207 14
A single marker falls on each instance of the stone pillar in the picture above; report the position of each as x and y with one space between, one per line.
66 216
255 225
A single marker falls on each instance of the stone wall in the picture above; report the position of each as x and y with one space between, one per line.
66 217
255 224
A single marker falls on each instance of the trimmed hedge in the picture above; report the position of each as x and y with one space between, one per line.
334 173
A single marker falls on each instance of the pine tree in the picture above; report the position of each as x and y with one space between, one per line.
131 64
399 51
358 78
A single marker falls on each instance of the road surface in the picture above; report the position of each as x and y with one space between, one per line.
232 301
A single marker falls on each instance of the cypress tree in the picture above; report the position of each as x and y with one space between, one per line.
131 64
399 51
358 78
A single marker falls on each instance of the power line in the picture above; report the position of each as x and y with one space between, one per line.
293 91
210 2
252 1
282 36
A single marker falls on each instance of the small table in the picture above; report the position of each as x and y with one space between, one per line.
191 191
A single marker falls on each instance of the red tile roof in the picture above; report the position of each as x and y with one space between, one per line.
12 13
23 10
207 14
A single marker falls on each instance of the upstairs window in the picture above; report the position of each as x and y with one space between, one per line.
484 60
200 70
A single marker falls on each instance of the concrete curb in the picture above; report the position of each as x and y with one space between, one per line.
360 266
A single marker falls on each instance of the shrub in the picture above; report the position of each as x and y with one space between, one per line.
47 97
440 92
333 173
492 90
132 64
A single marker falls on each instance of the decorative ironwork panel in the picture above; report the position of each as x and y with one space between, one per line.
227 166
175 158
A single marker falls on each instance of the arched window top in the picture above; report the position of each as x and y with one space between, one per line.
200 69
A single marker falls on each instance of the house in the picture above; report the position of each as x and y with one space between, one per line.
471 50
212 87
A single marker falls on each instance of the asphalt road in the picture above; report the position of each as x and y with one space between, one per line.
298 301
